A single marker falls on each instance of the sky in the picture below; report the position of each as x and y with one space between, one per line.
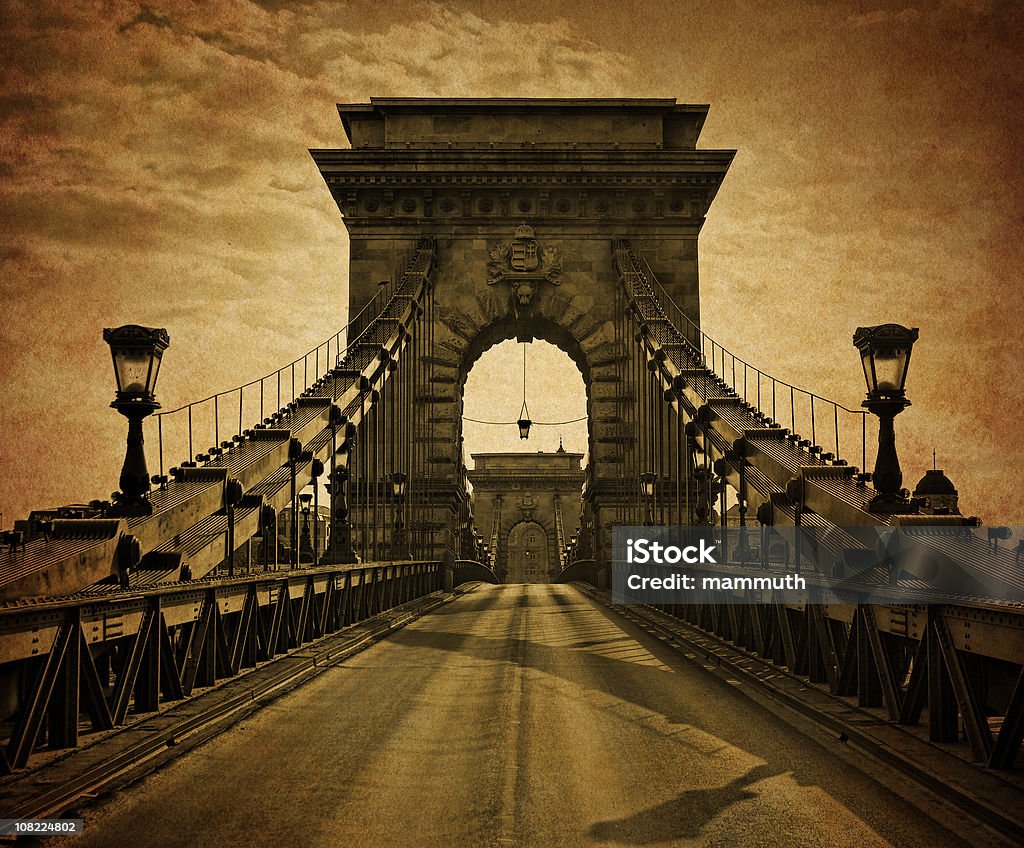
154 170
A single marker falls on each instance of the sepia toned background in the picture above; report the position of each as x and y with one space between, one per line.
154 170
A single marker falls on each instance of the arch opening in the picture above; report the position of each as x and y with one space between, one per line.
538 481
556 399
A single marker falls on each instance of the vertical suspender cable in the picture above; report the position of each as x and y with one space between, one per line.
364 484
391 455
428 475
376 472
620 426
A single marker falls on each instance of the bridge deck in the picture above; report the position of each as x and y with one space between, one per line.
528 716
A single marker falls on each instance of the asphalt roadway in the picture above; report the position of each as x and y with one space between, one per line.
523 715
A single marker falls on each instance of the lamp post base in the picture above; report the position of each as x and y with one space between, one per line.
131 501
743 552
339 550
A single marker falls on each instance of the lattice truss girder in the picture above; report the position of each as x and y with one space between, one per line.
957 668
114 658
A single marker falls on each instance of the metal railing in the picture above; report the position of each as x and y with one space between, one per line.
893 657
495 539
176 639
197 431
830 425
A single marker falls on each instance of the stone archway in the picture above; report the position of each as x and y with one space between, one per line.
580 316
516 487
529 553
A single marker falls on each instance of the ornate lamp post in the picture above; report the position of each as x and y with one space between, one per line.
137 352
340 545
885 355
743 552
707 490
316 472
399 543
306 545
649 481
268 529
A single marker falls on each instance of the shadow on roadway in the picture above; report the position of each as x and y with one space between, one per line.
684 817
593 633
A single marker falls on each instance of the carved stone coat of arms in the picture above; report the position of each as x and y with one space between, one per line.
524 265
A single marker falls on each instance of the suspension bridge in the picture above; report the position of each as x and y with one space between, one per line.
480 711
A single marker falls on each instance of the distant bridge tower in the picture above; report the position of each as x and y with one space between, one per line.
524 199
539 491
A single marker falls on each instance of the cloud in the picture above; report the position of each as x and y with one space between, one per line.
154 170
146 16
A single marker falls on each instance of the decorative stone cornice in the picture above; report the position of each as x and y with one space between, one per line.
497 181
485 483
378 185
395 204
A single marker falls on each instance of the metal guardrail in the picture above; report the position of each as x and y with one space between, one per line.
560 542
111 657
959 663
495 539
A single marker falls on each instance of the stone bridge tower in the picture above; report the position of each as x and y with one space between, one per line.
529 504
524 199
